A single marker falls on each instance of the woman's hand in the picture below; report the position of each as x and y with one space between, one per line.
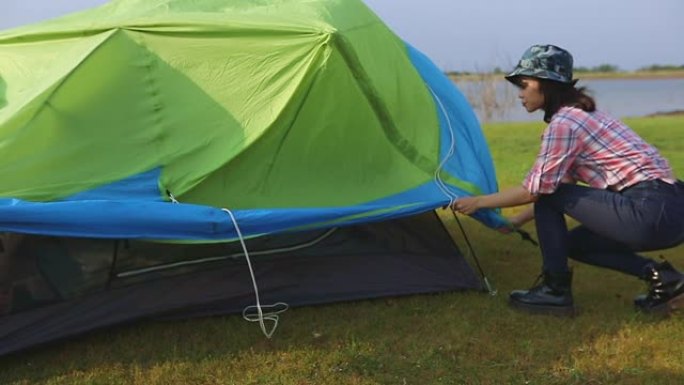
506 229
514 196
467 205
517 221
512 225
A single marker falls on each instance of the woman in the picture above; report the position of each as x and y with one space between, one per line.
631 200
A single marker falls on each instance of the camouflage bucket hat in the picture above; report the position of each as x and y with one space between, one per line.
544 62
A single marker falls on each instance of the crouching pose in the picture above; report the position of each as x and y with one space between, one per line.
630 200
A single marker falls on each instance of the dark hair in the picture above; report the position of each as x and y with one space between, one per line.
557 95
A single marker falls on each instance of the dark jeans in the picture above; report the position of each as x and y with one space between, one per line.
613 225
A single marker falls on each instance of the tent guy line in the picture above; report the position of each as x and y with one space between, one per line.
273 316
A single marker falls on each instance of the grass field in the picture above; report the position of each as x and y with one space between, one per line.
453 338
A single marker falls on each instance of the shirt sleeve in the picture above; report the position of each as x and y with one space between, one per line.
559 149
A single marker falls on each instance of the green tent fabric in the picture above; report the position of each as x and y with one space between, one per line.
240 104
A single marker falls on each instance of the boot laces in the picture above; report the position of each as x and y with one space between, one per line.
656 285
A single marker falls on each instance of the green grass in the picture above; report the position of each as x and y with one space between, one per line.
452 338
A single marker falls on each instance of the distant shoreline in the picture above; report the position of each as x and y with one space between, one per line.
631 75
666 113
625 75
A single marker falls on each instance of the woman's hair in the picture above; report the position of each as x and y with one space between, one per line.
557 95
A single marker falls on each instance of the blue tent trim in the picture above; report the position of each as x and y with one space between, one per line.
460 127
456 115
137 219
141 187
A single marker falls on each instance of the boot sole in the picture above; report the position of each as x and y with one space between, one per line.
664 309
559 311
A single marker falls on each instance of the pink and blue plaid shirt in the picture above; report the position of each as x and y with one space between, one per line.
596 149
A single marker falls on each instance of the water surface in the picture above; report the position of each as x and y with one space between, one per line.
620 97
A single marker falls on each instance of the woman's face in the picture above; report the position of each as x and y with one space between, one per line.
530 94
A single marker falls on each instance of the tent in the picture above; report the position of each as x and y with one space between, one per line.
150 146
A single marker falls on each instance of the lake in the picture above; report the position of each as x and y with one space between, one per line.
497 101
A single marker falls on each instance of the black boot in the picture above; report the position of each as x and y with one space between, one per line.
552 296
665 290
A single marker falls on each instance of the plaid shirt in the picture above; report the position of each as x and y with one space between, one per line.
593 148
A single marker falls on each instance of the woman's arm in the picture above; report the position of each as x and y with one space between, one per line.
514 196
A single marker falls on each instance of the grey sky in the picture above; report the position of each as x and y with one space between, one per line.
483 34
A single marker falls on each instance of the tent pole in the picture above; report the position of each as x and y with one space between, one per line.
492 291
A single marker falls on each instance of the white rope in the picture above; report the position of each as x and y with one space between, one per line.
273 314
451 195
452 150
260 316
173 198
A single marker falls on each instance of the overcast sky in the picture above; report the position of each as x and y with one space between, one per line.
466 35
